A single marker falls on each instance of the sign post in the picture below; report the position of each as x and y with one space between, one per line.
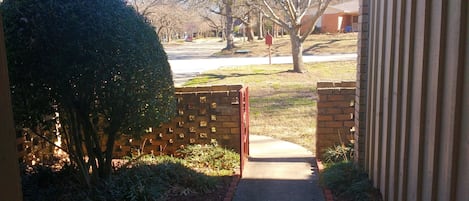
268 41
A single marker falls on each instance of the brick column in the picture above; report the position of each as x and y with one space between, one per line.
335 114
362 79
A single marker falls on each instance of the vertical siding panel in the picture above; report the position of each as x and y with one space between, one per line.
388 76
378 132
396 146
433 98
451 101
10 182
376 92
462 192
368 134
410 6
418 100
417 103
371 89
458 99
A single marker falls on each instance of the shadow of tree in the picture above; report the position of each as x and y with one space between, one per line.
167 179
273 187
319 45
219 77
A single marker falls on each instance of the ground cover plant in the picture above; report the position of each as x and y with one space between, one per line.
282 103
343 178
188 177
338 153
348 183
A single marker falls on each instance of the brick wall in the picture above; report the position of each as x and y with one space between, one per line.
335 114
362 79
205 114
329 23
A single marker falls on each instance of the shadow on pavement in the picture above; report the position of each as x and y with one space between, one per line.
278 190
285 159
280 179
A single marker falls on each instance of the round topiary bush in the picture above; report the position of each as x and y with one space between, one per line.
96 62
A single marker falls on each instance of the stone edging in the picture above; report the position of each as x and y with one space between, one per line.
327 192
233 185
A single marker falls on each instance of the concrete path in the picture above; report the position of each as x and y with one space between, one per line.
278 171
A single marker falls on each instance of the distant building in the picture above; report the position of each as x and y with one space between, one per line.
342 17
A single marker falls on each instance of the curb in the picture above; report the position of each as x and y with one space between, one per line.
327 192
233 185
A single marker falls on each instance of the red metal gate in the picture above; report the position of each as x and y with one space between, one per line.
244 125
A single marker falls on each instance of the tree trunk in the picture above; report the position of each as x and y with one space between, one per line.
274 30
107 170
297 54
169 36
249 30
260 25
250 33
72 131
229 26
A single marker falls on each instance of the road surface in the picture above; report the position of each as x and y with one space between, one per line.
192 58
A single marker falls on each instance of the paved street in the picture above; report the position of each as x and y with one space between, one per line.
190 59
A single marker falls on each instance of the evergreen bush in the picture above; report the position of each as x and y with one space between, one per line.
98 63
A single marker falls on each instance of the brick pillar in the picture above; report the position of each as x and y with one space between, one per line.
362 79
335 114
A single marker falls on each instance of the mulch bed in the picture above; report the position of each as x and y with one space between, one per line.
224 192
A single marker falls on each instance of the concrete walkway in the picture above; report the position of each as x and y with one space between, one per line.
278 171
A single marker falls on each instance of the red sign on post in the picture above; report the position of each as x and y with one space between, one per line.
268 39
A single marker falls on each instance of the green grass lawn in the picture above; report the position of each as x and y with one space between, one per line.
316 44
282 103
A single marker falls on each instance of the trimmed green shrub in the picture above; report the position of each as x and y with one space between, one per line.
98 63
348 183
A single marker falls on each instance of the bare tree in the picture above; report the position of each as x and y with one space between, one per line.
231 10
225 8
290 14
167 19
220 7
214 21
145 7
170 17
244 12
240 10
